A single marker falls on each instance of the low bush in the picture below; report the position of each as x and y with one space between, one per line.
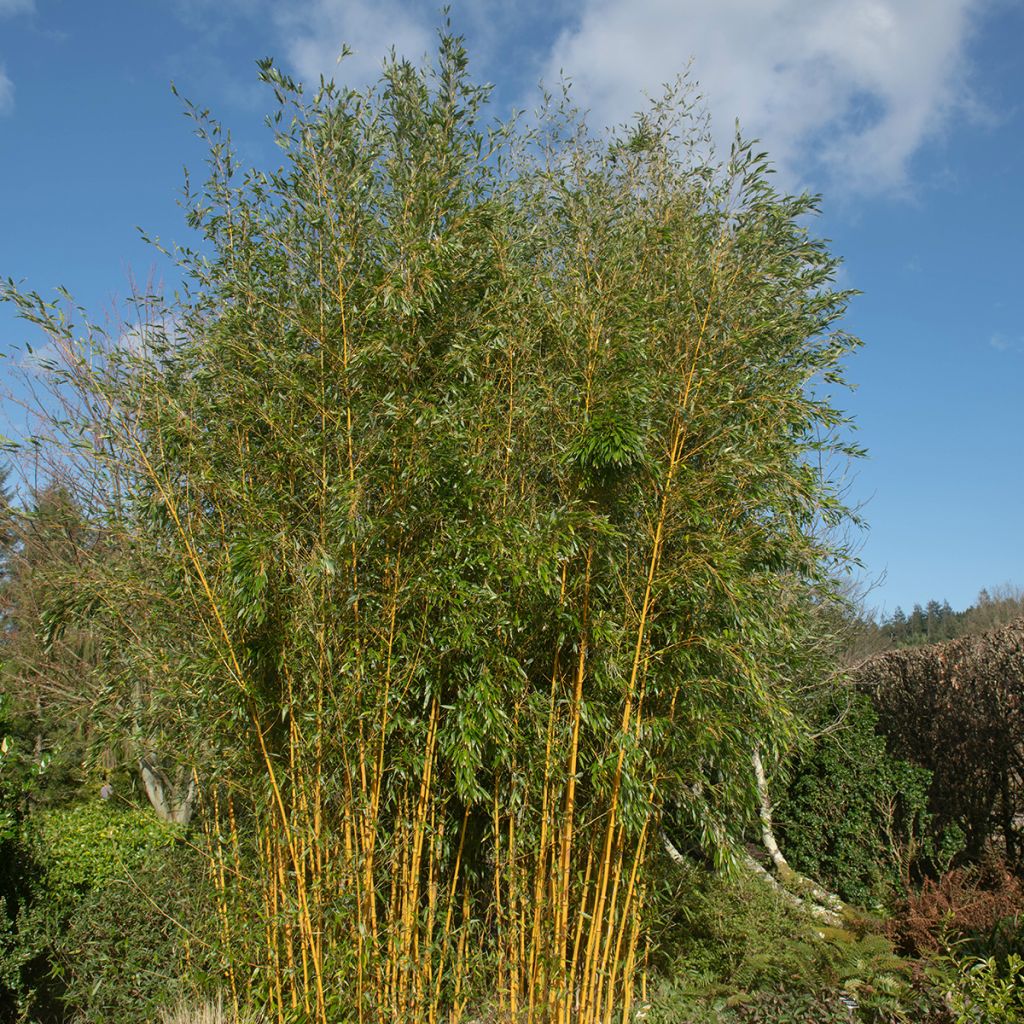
964 903
138 942
114 920
21 782
778 1007
783 1007
736 952
853 816
987 992
88 845
735 932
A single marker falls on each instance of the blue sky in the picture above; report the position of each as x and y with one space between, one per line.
906 114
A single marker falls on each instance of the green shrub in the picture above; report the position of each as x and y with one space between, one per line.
784 1007
738 933
853 816
89 845
987 992
115 921
736 952
19 777
1005 937
137 942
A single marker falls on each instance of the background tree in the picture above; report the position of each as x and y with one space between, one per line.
50 681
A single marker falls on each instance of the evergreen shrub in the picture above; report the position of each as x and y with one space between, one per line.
853 815
89 845
113 917
137 942
737 952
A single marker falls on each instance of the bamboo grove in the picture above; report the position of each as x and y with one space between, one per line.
465 520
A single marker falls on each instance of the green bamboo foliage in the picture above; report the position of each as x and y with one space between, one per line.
473 523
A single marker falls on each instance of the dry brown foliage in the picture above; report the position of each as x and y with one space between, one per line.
964 901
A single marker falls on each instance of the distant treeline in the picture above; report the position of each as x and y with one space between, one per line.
937 621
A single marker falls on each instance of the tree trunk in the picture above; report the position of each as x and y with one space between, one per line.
802 886
172 802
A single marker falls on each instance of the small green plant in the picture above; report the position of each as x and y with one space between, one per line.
987 992
737 934
785 1007
1006 936
134 944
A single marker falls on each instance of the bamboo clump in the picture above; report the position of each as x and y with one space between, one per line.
474 518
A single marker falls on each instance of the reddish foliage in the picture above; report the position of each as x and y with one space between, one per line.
964 901
957 709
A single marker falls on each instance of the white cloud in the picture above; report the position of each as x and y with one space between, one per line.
841 90
313 36
6 92
139 338
843 93
8 8
1003 342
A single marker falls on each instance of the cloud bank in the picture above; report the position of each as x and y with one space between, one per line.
843 93
847 90
314 33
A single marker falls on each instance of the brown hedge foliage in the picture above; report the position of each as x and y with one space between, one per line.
956 708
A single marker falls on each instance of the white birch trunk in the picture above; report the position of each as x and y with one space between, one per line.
172 802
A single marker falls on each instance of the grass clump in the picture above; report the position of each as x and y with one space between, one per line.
212 1011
